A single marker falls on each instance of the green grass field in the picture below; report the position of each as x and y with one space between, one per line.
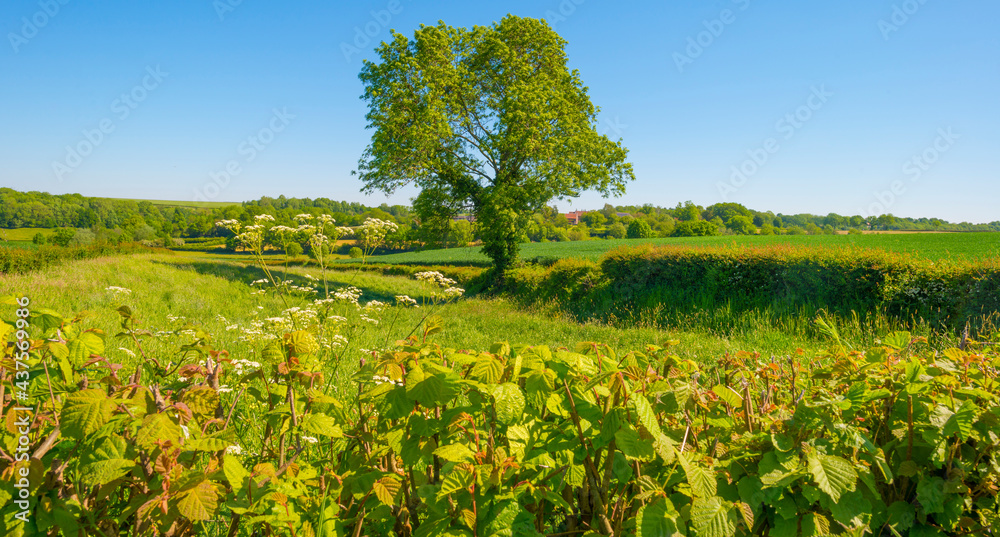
22 234
170 290
933 246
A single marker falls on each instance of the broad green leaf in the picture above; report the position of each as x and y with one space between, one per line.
902 516
501 517
897 340
746 512
712 517
455 453
634 448
236 474
430 385
322 424
815 525
85 412
729 395
930 494
785 527
853 510
301 342
539 384
656 519
386 489
199 502
961 421
59 350
272 353
109 459
215 442
701 480
455 481
5 329
87 343
158 426
469 518
509 403
645 413
45 318
202 400
773 474
487 369
833 475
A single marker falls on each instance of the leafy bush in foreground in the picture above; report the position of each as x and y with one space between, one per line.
894 440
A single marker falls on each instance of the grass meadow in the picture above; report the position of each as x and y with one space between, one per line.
169 291
23 234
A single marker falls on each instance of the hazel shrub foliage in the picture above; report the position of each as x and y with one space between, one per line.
424 440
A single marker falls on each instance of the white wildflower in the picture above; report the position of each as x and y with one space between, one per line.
404 300
118 290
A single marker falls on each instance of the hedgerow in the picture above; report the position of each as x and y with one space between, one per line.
20 260
840 281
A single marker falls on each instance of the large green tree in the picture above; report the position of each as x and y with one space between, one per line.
488 120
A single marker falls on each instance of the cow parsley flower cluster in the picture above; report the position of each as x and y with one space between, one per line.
348 294
437 279
406 301
434 277
377 379
115 290
241 367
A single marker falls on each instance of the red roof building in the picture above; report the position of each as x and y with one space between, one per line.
574 217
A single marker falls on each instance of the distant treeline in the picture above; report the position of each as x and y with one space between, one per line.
120 220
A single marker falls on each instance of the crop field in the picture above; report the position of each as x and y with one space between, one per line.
932 246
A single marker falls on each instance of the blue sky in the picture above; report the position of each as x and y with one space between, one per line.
853 107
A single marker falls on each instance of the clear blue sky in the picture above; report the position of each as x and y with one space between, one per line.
887 80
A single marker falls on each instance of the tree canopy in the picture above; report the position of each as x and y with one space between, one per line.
488 120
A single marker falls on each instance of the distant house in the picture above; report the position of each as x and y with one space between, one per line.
621 215
574 217
467 217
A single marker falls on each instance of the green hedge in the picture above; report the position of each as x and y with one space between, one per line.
19 261
781 279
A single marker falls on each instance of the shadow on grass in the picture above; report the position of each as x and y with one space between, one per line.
247 274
